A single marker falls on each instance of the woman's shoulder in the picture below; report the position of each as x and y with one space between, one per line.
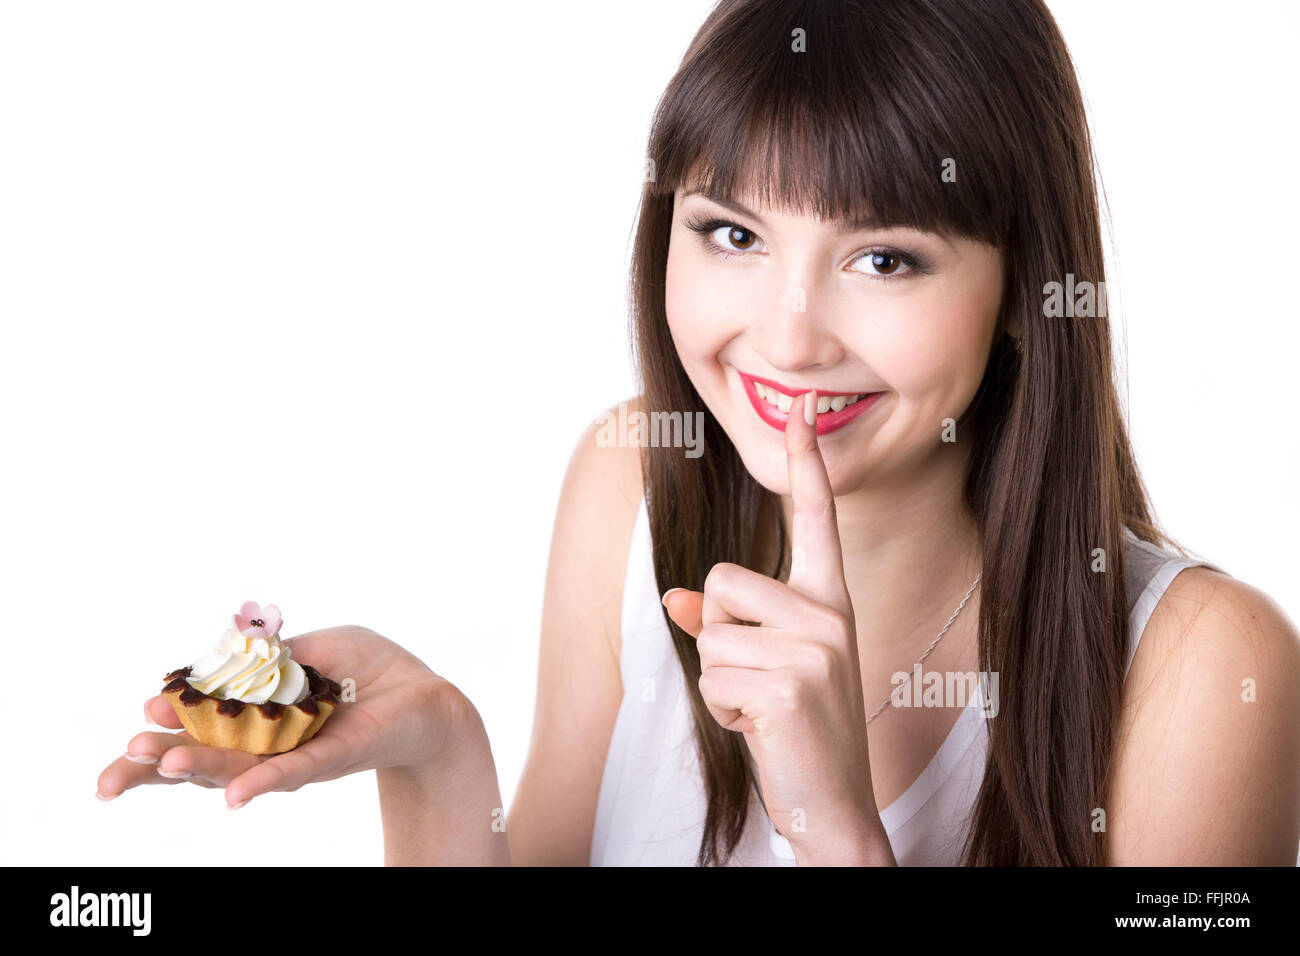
603 484
605 457
1198 602
599 502
1216 618
1208 742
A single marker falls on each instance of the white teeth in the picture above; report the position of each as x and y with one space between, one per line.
779 399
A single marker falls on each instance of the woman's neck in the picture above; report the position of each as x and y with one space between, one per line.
911 551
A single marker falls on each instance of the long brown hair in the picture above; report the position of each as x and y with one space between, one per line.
862 123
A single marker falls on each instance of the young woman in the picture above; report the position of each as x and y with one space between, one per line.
851 258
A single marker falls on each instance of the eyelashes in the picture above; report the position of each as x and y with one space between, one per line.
911 261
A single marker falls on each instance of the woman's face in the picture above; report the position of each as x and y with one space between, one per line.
764 305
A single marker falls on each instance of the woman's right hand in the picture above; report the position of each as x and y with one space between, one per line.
403 715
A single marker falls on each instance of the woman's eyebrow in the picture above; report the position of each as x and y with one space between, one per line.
842 226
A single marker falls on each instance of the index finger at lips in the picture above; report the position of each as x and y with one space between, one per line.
817 564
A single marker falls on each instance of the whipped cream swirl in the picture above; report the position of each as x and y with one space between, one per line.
252 667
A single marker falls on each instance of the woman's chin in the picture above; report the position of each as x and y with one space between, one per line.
762 451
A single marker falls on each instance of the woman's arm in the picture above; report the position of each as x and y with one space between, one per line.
1207 760
447 813
437 783
579 685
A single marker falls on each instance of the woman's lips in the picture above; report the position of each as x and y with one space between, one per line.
760 390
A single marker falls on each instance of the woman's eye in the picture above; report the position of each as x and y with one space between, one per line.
734 237
881 263
731 240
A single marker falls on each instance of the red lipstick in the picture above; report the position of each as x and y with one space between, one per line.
827 422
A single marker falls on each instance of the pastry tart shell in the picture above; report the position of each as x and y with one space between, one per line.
254 728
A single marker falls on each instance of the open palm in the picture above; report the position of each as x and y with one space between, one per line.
400 715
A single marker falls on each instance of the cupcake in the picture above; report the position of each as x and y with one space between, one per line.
250 694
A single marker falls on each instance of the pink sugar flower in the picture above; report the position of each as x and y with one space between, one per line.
253 620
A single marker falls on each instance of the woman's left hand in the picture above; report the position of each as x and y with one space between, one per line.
790 681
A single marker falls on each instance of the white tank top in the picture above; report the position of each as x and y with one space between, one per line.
652 805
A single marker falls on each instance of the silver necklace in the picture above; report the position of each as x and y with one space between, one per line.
930 648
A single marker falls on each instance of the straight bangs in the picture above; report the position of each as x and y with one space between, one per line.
865 126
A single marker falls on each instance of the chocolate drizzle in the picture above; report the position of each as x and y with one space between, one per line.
318 688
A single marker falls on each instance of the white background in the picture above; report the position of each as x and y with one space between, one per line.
307 303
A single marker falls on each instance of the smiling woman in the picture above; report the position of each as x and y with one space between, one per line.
870 437
876 216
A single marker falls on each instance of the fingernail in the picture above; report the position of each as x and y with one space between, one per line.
148 718
664 600
102 796
810 407
174 774
236 806
141 758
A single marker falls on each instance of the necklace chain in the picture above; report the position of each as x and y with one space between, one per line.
930 648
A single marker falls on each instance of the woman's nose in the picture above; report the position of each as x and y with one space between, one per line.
792 333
